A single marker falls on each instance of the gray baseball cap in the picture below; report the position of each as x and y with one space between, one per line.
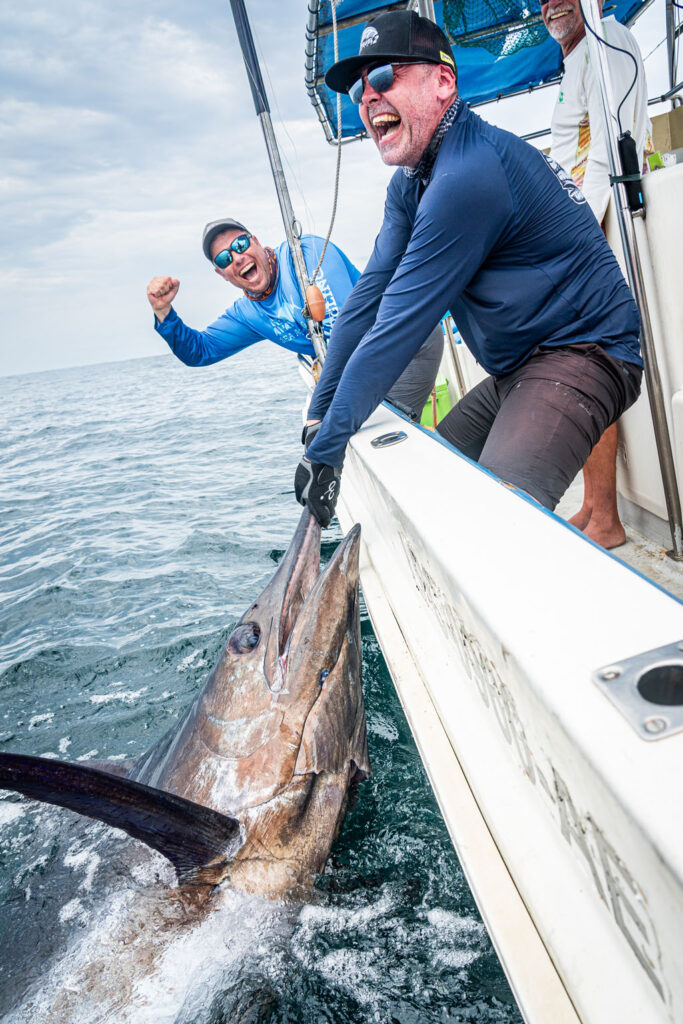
216 227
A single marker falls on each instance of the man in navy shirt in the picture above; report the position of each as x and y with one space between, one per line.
271 306
482 224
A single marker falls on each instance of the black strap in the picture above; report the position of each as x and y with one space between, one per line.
614 179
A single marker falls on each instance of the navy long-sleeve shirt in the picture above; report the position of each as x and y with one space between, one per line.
503 239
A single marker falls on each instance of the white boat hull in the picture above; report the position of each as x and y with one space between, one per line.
493 615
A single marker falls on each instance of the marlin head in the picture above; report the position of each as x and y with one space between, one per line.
278 733
238 745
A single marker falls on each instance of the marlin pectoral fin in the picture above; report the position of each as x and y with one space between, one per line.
198 841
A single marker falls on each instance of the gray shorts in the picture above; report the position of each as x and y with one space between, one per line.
414 386
535 427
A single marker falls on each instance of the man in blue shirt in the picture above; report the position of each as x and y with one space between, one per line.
482 224
272 307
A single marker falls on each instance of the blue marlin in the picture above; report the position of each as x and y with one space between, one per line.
250 788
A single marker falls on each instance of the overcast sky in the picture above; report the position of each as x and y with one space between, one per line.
125 126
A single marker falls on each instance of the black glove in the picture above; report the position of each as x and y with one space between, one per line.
317 486
309 432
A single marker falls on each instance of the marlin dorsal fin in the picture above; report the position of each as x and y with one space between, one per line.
197 840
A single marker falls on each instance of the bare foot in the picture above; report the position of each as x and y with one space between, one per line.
612 536
582 518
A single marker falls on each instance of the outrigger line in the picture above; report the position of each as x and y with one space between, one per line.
335 37
315 306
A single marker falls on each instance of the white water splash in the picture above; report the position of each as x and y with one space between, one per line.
190 661
382 726
38 719
127 696
72 910
87 859
342 919
143 959
359 974
10 812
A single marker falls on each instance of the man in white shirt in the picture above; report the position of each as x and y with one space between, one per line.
579 146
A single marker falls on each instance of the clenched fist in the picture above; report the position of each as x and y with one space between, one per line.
161 291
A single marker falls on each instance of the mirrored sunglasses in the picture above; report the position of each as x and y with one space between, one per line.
240 244
381 79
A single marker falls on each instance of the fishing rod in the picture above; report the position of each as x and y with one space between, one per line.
292 225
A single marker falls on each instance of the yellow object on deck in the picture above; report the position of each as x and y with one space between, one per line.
438 404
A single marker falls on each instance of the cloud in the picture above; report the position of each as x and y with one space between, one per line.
126 127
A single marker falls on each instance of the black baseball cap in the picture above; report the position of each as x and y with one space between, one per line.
216 227
390 38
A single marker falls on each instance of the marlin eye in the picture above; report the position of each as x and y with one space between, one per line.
245 638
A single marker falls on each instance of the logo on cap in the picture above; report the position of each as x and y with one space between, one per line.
369 37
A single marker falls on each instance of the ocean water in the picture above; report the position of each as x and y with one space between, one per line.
143 506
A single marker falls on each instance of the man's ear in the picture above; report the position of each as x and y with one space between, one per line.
446 82
217 271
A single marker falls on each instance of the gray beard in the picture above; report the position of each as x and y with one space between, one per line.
560 32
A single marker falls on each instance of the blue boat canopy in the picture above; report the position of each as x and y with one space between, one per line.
501 48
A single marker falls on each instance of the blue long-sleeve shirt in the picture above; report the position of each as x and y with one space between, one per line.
500 237
277 318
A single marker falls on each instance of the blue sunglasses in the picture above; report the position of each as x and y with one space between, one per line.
381 79
239 245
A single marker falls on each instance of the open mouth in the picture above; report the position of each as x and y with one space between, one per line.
386 126
559 14
250 272
302 576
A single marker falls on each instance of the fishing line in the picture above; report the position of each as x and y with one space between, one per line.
283 125
654 48
335 36
618 49
333 8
